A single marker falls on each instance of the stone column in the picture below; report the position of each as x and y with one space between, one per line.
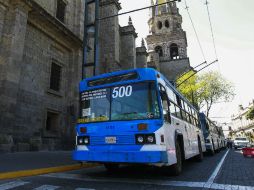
141 56
3 8
128 46
2 17
109 37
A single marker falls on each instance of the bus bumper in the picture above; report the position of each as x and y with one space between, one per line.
121 157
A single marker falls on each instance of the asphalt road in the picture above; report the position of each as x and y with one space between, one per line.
225 170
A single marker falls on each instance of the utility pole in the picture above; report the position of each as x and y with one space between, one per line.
91 25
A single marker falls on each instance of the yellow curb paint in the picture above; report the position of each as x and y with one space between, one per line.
25 173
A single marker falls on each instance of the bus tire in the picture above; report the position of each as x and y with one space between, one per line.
218 147
200 156
111 167
178 166
212 152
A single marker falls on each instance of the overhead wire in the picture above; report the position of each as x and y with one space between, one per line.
201 49
195 31
196 73
211 28
199 43
191 69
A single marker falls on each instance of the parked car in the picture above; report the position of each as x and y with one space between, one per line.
241 142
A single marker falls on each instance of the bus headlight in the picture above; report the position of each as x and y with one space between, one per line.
145 139
80 141
140 139
83 140
150 139
86 140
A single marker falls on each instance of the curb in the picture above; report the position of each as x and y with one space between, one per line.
26 173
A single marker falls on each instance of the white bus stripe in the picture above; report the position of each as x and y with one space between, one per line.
217 169
47 187
12 184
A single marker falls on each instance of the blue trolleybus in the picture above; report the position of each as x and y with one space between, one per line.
212 134
136 116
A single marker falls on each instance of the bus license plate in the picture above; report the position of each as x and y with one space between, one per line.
110 140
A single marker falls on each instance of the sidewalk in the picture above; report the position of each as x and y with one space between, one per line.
10 162
22 164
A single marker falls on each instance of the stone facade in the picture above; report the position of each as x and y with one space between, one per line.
168 40
117 47
41 53
241 126
31 39
40 68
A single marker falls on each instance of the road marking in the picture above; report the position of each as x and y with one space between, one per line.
217 169
205 185
12 184
47 187
84 189
25 173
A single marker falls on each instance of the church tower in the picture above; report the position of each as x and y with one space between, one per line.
167 43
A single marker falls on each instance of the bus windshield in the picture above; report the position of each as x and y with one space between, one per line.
125 102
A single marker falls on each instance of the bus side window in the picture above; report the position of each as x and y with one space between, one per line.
178 112
172 109
165 104
178 99
166 113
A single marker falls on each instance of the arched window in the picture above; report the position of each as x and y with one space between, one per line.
174 54
158 49
166 24
159 25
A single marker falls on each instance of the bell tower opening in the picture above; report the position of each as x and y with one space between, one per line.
158 49
174 54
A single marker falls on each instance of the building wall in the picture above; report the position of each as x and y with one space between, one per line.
30 41
242 126
173 69
73 15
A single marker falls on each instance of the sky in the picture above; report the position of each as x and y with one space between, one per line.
233 26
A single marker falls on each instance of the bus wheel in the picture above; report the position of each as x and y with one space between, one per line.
218 149
200 156
212 152
111 167
177 168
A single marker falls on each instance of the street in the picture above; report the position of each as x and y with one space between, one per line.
224 170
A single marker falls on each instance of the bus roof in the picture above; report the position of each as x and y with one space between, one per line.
144 74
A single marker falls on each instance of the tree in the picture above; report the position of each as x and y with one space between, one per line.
189 86
207 89
250 113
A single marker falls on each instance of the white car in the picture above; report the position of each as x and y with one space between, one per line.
241 142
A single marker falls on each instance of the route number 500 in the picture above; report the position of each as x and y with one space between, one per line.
122 91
